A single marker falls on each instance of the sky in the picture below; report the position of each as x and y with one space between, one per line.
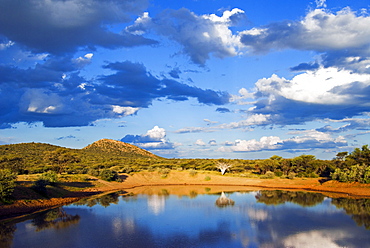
188 79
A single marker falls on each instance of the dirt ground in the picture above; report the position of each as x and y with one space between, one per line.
143 182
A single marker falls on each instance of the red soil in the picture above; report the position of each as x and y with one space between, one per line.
144 181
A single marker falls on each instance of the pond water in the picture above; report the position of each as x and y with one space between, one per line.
209 219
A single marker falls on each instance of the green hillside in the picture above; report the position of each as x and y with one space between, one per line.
117 148
117 156
29 158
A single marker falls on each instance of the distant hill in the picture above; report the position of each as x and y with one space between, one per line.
31 158
118 148
26 149
24 156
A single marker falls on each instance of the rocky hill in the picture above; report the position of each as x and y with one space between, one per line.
118 148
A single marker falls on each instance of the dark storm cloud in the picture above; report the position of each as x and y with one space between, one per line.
173 89
133 84
44 74
305 67
63 26
129 138
285 111
175 73
223 110
54 93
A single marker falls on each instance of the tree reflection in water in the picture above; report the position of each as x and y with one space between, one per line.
224 201
359 209
276 197
6 234
104 200
55 218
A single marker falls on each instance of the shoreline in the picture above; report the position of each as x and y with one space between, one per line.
142 182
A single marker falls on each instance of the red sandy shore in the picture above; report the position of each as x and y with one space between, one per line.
141 182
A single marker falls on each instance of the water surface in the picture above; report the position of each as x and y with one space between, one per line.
197 219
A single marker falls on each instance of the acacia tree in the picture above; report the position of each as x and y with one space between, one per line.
223 167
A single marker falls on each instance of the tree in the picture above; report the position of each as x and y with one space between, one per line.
302 163
223 167
7 184
361 156
267 165
341 156
108 175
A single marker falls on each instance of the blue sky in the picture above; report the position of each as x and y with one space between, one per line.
187 79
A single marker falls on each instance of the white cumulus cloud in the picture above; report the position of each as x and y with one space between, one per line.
200 142
124 110
320 30
302 140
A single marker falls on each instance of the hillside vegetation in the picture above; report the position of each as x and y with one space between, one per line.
118 148
106 158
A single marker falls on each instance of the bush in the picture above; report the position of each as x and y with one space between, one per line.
268 175
108 175
50 176
291 175
207 178
312 175
164 171
355 173
278 173
7 184
192 172
127 169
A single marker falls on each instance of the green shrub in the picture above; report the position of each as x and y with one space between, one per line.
291 175
7 184
124 169
366 178
312 175
207 178
108 175
164 171
50 176
278 173
268 175
355 173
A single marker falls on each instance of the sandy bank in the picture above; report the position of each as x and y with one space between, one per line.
142 183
